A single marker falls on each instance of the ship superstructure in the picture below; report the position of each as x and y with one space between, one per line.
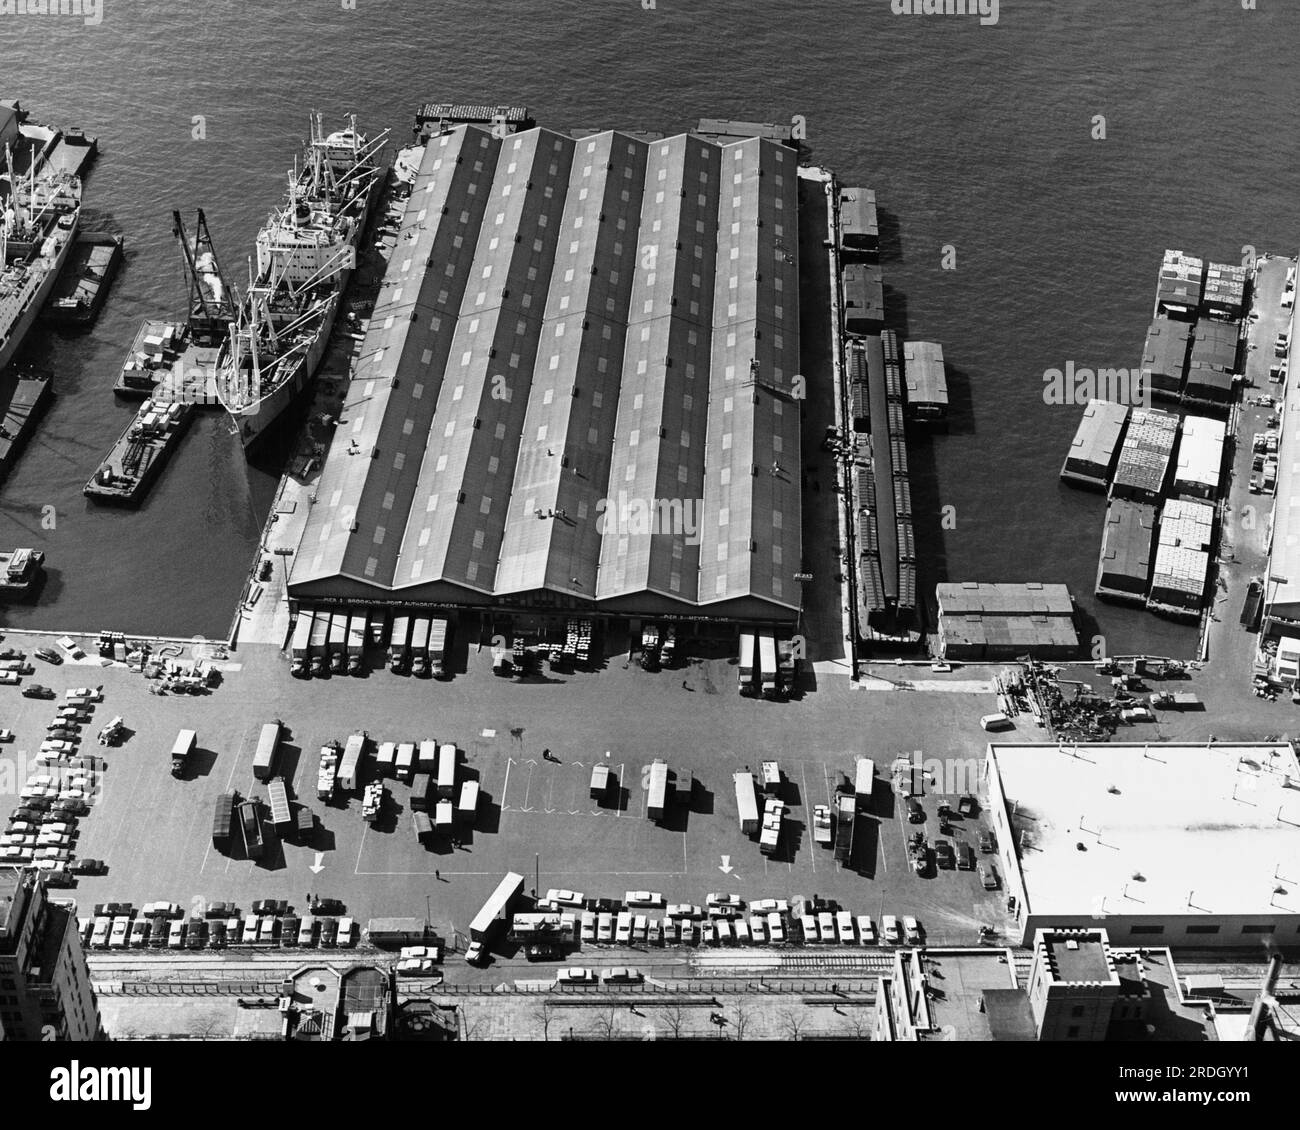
305 255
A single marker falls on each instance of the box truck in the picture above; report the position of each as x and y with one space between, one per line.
405 766
421 787
223 819
182 751
338 643
320 631
438 646
657 786
447 770
746 803
420 646
350 766
467 808
767 665
865 782
268 745
300 648
356 642
398 641
746 674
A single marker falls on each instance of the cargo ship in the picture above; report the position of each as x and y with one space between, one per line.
39 210
20 569
306 253
138 456
83 285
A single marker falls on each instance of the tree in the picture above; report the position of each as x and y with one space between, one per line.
791 1023
740 1020
675 1019
205 1026
857 1027
606 1023
544 1015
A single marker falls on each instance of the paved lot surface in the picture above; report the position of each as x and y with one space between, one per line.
536 816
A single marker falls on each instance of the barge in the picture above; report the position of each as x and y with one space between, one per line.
31 397
140 453
1181 569
1145 456
1124 570
83 285
1096 446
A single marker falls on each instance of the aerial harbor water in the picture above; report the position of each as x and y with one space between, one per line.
1054 234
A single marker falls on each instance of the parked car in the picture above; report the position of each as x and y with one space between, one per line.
644 898
564 897
196 933
683 910
915 813
307 932
943 855
476 954
49 655
866 930
621 974
575 976
347 932
217 935
326 906
987 842
889 930
84 694
912 931
541 951
329 932
725 900
35 690
221 910
248 935
139 933
6 735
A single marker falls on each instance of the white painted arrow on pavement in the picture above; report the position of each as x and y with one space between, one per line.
318 866
726 867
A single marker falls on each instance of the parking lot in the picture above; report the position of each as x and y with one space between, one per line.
535 815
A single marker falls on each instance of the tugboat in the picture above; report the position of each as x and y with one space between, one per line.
20 569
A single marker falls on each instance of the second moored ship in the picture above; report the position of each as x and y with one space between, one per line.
305 256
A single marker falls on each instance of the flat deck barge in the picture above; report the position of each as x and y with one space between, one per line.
82 287
30 399
140 453
163 363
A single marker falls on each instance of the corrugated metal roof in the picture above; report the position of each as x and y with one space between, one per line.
564 322
1181 280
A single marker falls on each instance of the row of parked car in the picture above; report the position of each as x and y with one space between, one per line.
723 921
42 831
136 932
114 925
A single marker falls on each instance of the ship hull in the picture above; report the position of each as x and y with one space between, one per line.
252 423
24 322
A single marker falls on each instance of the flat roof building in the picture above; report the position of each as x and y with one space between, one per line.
1214 346
1124 571
1003 621
575 390
1199 466
926 380
1096 445
1182 563
1164 356
1164 844
45 989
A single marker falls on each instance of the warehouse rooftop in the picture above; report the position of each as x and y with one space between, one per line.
1165 829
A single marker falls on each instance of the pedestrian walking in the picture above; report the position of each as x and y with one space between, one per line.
437 874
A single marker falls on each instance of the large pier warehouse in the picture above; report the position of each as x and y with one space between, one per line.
577 392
